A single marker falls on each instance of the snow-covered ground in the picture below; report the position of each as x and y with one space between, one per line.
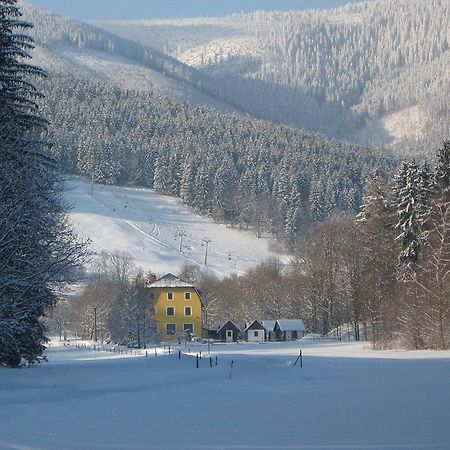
147 226
345 396
196 41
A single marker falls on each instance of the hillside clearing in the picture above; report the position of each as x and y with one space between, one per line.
145 225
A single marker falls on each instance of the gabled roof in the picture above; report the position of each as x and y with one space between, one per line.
291 325
269 325
170 280
222 325
255 325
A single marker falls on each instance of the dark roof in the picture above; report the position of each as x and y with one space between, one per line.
224 324
255 325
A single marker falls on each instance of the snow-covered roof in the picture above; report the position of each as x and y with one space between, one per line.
269 325
291 325
221 325
258 322
170 280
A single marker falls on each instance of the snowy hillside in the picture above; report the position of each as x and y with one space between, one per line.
147 226
312 52
66 45
344 397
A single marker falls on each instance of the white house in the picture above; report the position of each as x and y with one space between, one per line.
255 332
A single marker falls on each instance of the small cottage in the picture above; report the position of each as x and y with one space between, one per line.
269 326
225 332
255 332
289 329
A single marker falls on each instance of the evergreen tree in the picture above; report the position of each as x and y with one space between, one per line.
442 176
408 225
37 249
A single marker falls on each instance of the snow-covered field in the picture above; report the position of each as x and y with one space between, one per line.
344 397
147 226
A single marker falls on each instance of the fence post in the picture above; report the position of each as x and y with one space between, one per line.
301 359
197 359
179 354
210 362
216 360
156 354
231 368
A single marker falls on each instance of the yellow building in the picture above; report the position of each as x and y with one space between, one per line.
177 307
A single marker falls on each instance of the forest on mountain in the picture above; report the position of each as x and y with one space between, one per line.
228 166
367 61
350 73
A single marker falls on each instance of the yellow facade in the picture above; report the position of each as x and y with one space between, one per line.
177 310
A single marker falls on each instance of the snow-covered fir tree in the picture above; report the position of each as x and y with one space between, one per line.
37 248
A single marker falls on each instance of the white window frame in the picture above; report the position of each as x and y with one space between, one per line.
186 295
190 308
193 328
168 296
174 312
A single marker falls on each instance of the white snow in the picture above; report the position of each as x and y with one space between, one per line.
145 225
196 41
344 397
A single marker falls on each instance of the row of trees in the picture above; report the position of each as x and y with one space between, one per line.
38 251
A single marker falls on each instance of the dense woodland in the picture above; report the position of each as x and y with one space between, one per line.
383 274
231 167
362 62
332 72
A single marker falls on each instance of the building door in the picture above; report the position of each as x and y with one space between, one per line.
229 335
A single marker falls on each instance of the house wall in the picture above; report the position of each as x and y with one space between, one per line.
252 338
223 334
178 302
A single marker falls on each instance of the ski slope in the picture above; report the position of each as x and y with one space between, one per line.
147 226
345 396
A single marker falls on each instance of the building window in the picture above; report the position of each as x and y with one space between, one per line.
152 296
170 311
170 296
171 329
152 311
187 311
187 295
256 333
188 328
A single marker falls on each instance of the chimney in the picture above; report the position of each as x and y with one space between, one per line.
152 278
